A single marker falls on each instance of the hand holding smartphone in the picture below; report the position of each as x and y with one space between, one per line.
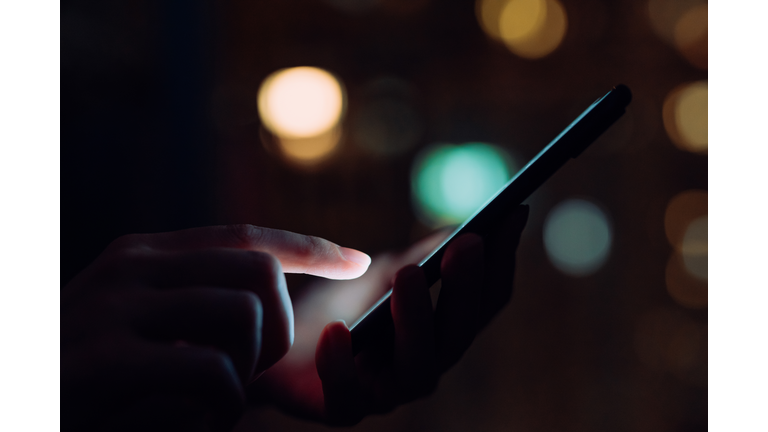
376 326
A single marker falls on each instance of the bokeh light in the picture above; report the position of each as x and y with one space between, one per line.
666 340
686 227
532 28
665 14
686 118
302 107
681 210
577 237
520 19
488 13
685 288
300 102
695 247
387 127
311 149
386 121
692 36
450 182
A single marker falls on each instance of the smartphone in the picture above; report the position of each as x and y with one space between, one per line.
376 326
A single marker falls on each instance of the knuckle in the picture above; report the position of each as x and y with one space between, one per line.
309 247
244 234
215 361
264 265
249 308
124 263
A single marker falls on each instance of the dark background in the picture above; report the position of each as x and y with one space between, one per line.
160 131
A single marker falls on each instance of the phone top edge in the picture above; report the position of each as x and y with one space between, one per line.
568 144
370 309
623 97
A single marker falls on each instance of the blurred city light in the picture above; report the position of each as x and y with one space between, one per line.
695 247
521 19
302 107
488 13
686 226
685 115
665 14
685 288
311 149
668 340
387 127
300 102
681 210
577 237
386 122
691 36
449 182
532 28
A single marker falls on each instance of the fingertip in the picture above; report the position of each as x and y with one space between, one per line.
357 263
355 256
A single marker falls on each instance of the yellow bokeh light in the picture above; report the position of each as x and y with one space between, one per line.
300 102
532 28
667 339
691 35
488 12
685 224
696 248
665 14
683 209
311 149
521 19
686 117
685 288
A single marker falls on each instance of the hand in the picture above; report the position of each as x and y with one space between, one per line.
168 328
327 384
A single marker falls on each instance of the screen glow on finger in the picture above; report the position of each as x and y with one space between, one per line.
577 237
300 102
450 182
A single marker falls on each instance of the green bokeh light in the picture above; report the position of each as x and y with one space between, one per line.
577 237
450 182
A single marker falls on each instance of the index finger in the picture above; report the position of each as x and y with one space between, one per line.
297 253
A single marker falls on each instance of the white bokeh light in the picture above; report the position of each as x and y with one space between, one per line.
577 237
300 102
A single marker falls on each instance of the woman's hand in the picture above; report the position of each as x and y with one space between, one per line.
163 331
322 381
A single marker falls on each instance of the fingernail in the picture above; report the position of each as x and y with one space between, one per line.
341 338
355 256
